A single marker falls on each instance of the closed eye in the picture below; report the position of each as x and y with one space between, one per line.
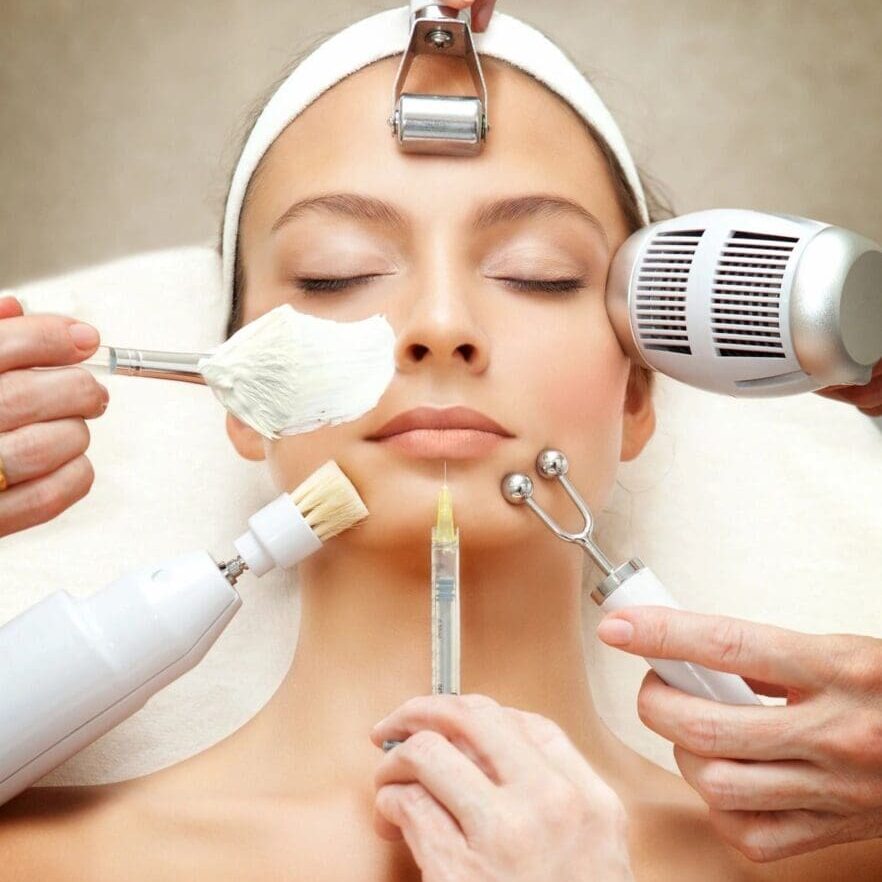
550 285
337 284
314 284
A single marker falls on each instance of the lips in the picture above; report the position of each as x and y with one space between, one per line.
449 433
439 419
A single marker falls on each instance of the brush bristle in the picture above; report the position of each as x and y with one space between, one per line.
329 502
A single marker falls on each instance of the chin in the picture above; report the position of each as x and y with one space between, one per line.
401 494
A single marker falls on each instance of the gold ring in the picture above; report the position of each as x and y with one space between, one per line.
2 477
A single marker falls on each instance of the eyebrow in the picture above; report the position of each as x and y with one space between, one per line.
506 210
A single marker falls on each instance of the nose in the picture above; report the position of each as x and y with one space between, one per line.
439 328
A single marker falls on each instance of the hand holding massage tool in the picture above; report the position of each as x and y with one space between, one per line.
285 373
749 304
73 668
631 584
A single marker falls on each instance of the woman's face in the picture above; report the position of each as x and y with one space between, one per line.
491 270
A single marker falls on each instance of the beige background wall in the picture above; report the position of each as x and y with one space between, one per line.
117 118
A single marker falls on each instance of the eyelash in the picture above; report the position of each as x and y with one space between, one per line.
554 286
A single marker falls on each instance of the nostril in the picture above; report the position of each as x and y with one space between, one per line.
468 352
418 351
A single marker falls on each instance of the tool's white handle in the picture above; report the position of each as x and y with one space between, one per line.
644 589
73 668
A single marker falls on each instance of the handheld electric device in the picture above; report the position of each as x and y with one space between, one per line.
631 584
452 124
73 668
749 304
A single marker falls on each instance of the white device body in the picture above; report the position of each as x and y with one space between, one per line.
644 589
749 304
73 668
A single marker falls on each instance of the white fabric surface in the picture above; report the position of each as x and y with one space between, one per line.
385 34
770 510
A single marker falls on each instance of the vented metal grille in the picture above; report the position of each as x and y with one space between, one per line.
661 291
746 300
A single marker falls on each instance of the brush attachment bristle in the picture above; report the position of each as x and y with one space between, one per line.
329 502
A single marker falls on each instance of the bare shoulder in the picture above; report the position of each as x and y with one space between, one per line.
45 830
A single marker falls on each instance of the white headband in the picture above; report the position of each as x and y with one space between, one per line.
385 34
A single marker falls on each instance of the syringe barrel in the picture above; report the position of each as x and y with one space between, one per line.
445 617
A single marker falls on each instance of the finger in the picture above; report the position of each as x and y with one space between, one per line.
737 646
44 340
729 785
42 499
10 307
711 728
481 14
36 450
449 776
556 747
437 844
475 724
28 396
771 836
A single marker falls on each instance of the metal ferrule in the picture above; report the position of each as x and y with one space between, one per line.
232 569
617 577
162 365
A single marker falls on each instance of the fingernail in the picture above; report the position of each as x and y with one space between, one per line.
84 336
616 632
105 393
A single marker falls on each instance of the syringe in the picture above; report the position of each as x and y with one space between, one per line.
445 598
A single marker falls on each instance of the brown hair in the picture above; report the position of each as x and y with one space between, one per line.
640 380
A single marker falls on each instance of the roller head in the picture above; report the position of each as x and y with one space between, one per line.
552 463
517 488
749 304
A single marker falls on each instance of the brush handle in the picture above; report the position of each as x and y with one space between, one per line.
181 366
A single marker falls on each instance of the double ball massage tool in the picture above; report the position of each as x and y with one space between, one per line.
630 584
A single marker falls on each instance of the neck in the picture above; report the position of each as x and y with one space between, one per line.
364 648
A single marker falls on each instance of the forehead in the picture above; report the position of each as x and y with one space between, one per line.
342 141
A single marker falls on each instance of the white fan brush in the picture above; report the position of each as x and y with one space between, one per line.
285 373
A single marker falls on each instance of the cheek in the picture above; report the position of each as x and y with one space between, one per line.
576 375
293 458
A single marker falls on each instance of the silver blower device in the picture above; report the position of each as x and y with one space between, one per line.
451 124
749 304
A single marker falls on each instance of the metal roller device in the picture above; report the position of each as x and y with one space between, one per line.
452 124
